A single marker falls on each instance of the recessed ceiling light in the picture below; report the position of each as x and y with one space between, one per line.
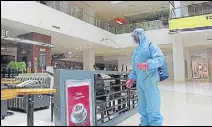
69 42
70 52
146 4
108 19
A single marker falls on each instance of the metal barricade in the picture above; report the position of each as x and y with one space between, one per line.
112 97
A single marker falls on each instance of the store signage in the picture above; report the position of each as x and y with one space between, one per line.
209 17
78 96
201 22
5 33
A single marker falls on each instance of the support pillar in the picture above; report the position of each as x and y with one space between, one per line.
178 59
88 59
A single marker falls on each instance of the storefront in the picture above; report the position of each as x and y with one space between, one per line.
210 63
34 49
201 64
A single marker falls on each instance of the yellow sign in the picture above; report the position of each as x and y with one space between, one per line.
200 22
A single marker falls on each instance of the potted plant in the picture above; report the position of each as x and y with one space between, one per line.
17 66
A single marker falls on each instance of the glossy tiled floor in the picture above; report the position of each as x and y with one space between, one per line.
182 104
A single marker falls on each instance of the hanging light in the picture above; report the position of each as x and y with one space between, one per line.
23 51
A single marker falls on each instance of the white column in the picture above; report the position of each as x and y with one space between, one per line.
178 59
188 58
88 59
175 13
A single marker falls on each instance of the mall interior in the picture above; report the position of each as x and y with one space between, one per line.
49 49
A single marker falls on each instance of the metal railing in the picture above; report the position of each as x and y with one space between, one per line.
113 98
150 25
191 10
79 14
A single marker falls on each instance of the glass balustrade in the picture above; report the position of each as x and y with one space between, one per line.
150 25
127 28
79 14
192 10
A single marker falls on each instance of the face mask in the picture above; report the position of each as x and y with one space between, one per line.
135 38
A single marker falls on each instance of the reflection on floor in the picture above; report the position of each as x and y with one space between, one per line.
41 118
182 104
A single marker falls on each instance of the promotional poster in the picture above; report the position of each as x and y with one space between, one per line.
78 103
199 68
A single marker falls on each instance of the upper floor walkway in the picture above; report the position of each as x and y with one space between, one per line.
63 18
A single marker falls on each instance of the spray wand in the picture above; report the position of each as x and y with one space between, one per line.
147 72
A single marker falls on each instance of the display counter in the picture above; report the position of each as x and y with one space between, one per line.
91 98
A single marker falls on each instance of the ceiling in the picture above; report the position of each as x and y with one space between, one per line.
106 11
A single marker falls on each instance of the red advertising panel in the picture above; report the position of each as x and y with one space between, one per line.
78 103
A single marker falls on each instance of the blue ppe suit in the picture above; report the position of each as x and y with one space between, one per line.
149 100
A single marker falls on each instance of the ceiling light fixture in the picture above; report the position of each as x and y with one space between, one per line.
108 19
23 51
18 40
119 22
115 2
146 4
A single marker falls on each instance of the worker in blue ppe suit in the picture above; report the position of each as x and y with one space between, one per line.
145 62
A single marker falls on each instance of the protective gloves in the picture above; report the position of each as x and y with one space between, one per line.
129 83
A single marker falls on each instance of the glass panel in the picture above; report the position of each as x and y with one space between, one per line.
42 62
